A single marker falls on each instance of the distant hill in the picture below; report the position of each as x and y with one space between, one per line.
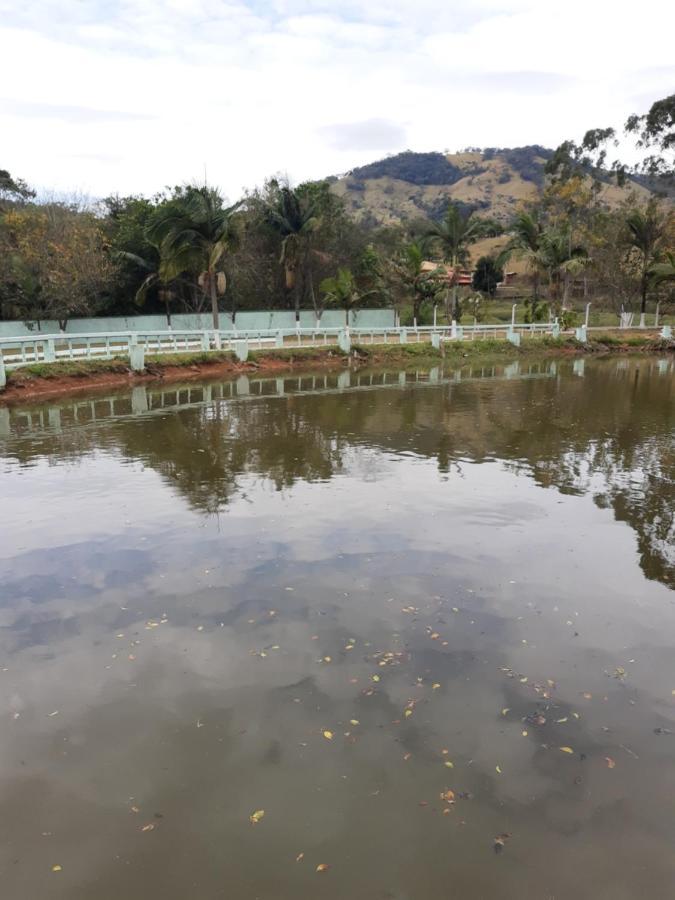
408 186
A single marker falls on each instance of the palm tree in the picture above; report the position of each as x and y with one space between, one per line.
454 234
423 284
648 230
153 279
342 290
663 272
295 219
194 233
560 258
525 243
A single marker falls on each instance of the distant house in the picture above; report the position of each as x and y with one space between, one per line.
464 276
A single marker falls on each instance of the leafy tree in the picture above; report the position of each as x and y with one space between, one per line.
13 190
59 262
487 274
194 233
654 132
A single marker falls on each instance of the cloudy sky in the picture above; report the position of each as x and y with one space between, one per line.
127 96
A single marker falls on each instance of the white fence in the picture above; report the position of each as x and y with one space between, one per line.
48 348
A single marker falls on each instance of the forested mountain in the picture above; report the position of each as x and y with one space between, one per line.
494 181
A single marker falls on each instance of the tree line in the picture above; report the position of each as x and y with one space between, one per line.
283 247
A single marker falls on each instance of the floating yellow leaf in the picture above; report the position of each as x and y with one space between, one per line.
322 867
566 749
576 715
560 721
435 636
449 765
610 762
408 713
300 857
449 796
454 609
376 677
435 687
524 733
149 827
406 757
498 770
328 735
256 816
57 868
354 722
327 659
507 709
587 695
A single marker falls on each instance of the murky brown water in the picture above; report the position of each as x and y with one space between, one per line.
336 605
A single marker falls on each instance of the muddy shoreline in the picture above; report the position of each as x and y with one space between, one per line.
43 382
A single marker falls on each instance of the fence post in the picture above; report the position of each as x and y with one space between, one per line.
3 374
344 341
241 350
136 356
513 314
206 341
666 334
580 334
403 336
588 315
49 350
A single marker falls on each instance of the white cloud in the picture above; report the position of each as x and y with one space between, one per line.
135 95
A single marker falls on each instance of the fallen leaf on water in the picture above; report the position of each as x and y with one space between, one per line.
300 857
327 659
435 687
354 722
587 695
322 867
57 868
560 721
524 733
448 796
256 816
435 636
149 827
523 680
566 749
449 765
507 709
610 762
376 677
55 713
408 713
134 809
406 757
454 609
328 735
576 715
498 770
500 842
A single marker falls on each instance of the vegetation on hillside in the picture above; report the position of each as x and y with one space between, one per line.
283 247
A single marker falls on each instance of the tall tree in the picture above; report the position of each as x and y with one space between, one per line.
649 230
295 218
194 233
453 235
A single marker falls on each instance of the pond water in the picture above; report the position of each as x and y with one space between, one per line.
381 636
